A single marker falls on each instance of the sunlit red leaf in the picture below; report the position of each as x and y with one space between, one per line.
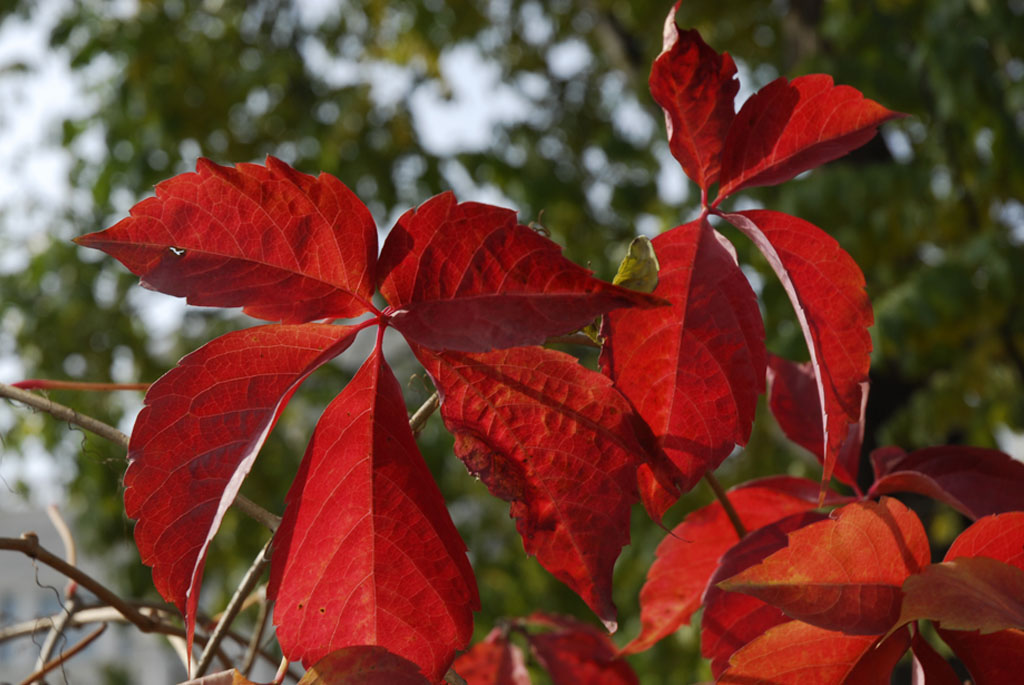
284 245
928 667
973 480
197 437
366 553
845 573
364 665
495 661
789 127
796 653
730 619
686 559
693 370
1000 536
467 277
826 288
557 441
696 87
576 652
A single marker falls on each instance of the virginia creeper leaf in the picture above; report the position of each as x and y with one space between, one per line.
928 667
730 619
845 573
1000 536
826 288
797 653
992 659
284 245
495 661
366 553
789 127
696 87
557 441
197 437
967 593
363 665
466 277
686 559
693 370
973 480
576 652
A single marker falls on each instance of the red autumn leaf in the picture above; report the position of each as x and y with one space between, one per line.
366 553
793 398
826 288
197 437
789 127
557 441
730 619
696 87
1000 536
797 653
693 370
363 665
286 246
928 667
687 557
845 573
576 652
495 661
466 277
994 659
973 480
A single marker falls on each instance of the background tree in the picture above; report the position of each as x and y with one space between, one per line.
931 211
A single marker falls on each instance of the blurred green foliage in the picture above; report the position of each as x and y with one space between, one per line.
931 210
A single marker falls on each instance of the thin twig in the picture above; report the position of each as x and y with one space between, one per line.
48 384
453 678
86 641
249 581
421 415
730 510
256 638
71 556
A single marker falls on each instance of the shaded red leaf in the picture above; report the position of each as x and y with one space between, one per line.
973 480
467 277
495 661
994 659
730 619
366 553
197 437
284 245
686 559
696 87
363 665
796 653
576 652
826 288
789 127
1000 536
793 398
928 666
557 441
845 573
692 370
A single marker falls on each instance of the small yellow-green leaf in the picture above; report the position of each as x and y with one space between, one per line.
639 268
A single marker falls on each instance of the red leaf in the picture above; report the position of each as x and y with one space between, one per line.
730 619
694 370
197 437
557 441
1000 537
790 127
284 245
363 665
826 288
578 653
929 668
973 480
846 573
466 277
687 557
696 87
994 659
796 653
793 398
366 552
495 661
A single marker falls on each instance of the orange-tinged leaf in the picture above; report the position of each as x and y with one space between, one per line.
197 436
557 441
845 573
495 661
1000 536
363 665
366 553
576 652
284 245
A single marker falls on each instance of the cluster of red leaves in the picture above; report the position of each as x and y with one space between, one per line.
366 553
